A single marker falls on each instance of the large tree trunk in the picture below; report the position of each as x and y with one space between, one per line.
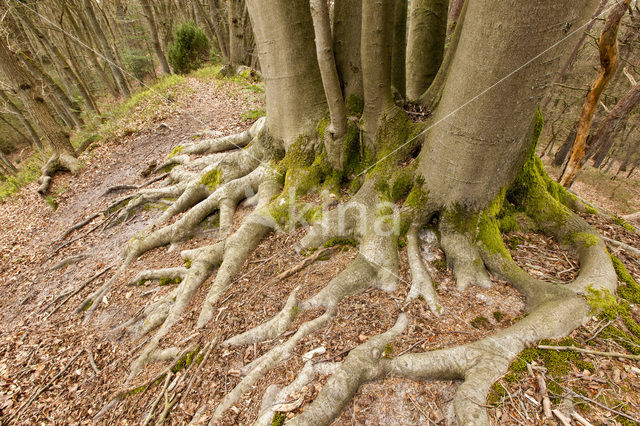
461 156
425 45
475 163
293 85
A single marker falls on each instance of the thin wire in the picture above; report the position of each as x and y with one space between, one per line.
489 88
167 100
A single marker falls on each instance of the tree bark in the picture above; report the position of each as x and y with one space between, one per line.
399 48
377 22
608 47
425 45
33 135
293 85
155 39
236 32
119 77
602 140
337 128
347 26
466 162
33 101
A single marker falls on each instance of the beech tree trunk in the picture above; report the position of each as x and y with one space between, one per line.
425 45
347 24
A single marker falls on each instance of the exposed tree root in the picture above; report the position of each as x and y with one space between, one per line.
57 162
217 182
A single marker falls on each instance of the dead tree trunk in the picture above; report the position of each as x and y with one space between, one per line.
608 47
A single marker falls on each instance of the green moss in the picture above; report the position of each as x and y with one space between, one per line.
169 281
498 316
604 302
388 351
212 179
176 151
295 310
187 263
185 361
585 239
86 305
490 237
51 202
631 290
440 265
142 281
481 322
341 242
590 210
496 394
621 222
511 378
278 419
355 105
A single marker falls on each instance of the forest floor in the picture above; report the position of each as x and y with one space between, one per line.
55 369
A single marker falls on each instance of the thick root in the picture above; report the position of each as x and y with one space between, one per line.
462 257
57 162
421 280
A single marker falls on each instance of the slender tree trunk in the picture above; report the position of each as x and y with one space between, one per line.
213 26
608 47
347 25
430 98
337 128
236 32
377 23
425 45
558 78
151 20
399 48
603 138
8 165
119 77
219 27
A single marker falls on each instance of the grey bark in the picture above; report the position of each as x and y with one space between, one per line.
293 85
347 24
425 44
467 161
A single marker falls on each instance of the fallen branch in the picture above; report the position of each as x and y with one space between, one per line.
118 188
78 290
70 261
623 246
590 352
300 266
76 227
24 406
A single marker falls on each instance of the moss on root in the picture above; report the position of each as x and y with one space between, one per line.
212 179
185 360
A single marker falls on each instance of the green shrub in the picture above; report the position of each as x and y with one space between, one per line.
138 63
190 46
